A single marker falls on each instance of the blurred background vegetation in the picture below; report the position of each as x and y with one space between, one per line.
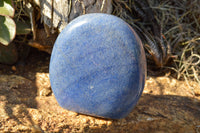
169 30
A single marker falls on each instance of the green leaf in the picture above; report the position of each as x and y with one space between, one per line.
6 8
22 28
7 30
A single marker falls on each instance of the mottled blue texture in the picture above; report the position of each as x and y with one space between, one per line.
98 66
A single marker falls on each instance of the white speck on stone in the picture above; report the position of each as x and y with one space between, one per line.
91 87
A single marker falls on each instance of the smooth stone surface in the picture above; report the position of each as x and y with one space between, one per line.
98 66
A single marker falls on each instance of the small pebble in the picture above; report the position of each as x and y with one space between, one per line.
14 68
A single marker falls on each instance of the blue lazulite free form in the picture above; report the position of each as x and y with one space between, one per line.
98 66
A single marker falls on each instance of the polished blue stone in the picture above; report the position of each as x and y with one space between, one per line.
98 66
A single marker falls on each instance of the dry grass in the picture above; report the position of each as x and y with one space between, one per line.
178 30
181 28
20 12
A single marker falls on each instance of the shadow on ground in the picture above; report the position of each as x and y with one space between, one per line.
158 113
18 89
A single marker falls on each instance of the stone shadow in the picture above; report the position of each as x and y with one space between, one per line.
157 113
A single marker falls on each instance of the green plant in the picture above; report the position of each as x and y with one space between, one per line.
7 24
